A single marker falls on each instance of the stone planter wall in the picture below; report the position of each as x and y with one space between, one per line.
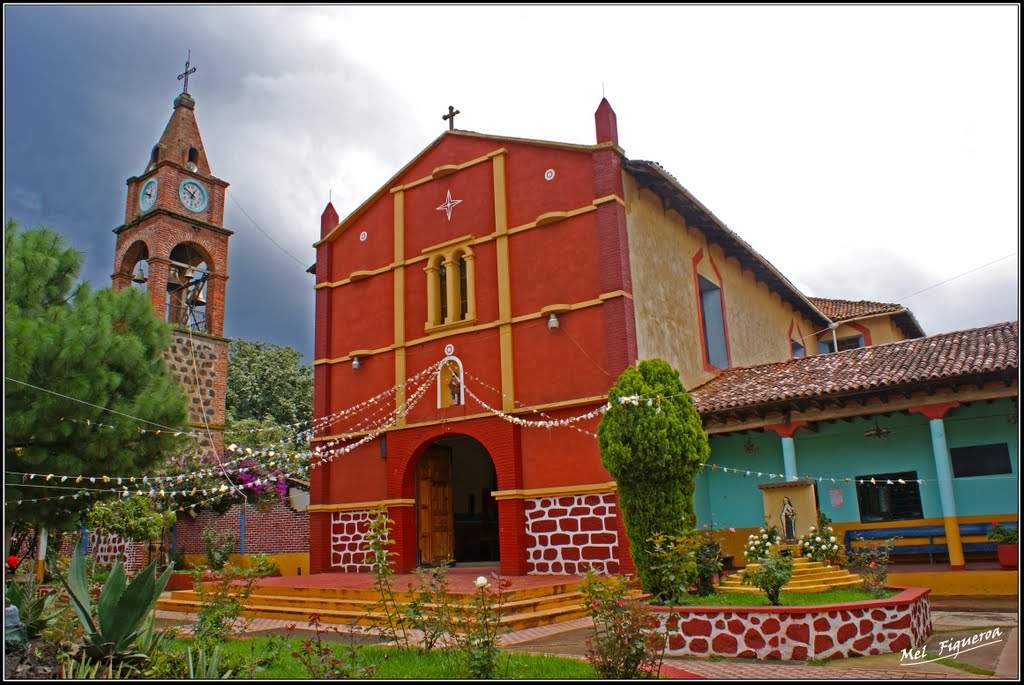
800 633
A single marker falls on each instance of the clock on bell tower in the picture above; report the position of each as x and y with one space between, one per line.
174 245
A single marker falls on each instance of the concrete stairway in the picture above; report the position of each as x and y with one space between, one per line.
523 608
808 576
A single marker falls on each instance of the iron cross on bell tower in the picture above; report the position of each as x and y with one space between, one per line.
185 74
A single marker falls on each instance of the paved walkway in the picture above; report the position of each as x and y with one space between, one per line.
734 670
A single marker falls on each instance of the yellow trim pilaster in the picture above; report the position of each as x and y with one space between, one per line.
508 396
591 489
355 506
399 301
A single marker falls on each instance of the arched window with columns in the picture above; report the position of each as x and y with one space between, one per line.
451 297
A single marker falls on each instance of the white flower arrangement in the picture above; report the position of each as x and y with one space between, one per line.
820 544
759 545
481 582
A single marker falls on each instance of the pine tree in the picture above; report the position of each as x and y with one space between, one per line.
653 444
103 347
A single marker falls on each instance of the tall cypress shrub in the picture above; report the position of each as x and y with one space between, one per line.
653 444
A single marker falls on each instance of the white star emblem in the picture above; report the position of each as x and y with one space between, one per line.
449 205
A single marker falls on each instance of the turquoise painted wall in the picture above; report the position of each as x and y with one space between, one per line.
731 499
839 449
980 424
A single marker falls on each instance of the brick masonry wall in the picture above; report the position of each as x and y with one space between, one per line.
105 548
281 529
204 380
874 627
349 552
572 533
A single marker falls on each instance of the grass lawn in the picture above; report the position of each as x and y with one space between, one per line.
393 663
786 598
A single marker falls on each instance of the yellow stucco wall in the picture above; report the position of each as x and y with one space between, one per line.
288 563
882 329
661 248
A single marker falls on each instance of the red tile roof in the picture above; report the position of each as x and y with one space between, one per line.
844 310
990 351
840 310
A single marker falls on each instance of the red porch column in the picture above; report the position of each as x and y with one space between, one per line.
403 535
512 536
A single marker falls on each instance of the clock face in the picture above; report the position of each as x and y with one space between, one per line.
192 195
147 196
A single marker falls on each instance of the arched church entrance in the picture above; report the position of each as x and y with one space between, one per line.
457 517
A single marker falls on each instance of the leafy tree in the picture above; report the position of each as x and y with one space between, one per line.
102 347
268 380
653 444
132 518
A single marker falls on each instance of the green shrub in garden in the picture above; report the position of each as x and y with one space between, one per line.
1002 534
759 545
626 643
872 563
653 444
673 566
820 543
771 574
218 546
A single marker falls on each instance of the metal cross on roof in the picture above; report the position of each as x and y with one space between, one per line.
450 117
185 74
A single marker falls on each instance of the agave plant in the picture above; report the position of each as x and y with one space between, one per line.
113 631
206 665
90 670
35 609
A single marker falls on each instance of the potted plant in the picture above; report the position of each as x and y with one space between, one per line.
1006 544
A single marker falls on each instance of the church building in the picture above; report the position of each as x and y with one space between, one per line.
472 314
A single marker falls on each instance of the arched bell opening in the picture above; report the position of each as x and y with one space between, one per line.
187 284
135 265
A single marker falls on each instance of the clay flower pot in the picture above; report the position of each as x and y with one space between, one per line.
1007 553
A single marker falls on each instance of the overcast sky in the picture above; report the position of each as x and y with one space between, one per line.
867 152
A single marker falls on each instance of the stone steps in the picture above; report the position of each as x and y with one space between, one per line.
524 608
808 576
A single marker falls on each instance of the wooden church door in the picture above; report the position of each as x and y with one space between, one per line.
434 502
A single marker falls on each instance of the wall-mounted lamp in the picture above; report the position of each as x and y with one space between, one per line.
355 362
552 321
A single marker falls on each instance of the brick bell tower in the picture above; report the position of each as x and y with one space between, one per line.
174 245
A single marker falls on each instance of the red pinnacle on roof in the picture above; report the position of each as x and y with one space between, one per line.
606 123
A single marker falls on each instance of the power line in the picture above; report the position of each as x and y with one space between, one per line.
268 236
97 406
953 278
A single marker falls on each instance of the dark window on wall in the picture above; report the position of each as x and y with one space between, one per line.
797 349
980 460
463 288
880 501
714 324
442 275
850 342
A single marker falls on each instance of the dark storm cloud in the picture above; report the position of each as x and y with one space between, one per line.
89 90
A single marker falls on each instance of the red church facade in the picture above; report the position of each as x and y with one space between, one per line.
538 271
538 229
